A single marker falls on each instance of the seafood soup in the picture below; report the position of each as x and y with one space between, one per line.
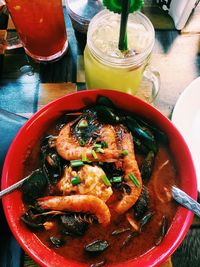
99 190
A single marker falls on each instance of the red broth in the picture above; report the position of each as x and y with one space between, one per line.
161 204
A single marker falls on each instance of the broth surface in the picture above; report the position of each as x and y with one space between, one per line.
161 204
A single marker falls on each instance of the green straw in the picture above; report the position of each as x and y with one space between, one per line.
123 44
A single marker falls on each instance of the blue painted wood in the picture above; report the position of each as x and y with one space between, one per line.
10 251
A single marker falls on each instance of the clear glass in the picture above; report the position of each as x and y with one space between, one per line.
41 27
81 12
105 66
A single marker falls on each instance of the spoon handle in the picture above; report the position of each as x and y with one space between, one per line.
13 187
185 200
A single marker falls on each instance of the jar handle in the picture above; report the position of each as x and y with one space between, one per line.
154 77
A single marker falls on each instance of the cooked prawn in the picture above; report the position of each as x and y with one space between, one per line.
91 182
69 148
129 165
77 203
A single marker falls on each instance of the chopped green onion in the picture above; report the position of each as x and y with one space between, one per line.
124 152
100 150
116 179
83 123
134 179
75 180
76 163
81 142
104 144
84 156
96 146
106 180
94 154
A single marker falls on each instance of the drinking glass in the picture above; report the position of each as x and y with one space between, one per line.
41 27
81 12
109 68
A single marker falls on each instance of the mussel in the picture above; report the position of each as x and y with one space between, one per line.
107 115
104 101
35 217
51 162
142 204
34 187
147 217
97 246
32 221
147 166
159 135
163 230
142 133
73 225
56 242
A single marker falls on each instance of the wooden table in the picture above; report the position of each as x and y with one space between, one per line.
26 86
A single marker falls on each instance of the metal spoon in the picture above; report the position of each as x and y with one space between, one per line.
182 198
13 187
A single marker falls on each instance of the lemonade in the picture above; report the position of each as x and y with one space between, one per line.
105 65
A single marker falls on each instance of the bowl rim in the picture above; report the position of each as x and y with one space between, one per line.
156 255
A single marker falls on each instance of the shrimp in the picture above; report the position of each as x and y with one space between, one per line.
77 203
69 148
129 165
91 182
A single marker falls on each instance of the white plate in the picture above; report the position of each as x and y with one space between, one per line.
186 117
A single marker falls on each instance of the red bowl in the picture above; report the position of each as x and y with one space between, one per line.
34 128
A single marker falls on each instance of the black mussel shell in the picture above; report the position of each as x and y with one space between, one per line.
142 204
147 166
73 225
97 246
57 242
34 187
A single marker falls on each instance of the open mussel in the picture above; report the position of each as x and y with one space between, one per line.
160 135
107 115
107 111
31 220
142 133
73 225
146 136
34 186
35 218
52 163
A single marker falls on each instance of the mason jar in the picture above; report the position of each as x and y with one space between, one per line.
106 66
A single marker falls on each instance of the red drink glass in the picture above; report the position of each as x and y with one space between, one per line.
41 27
